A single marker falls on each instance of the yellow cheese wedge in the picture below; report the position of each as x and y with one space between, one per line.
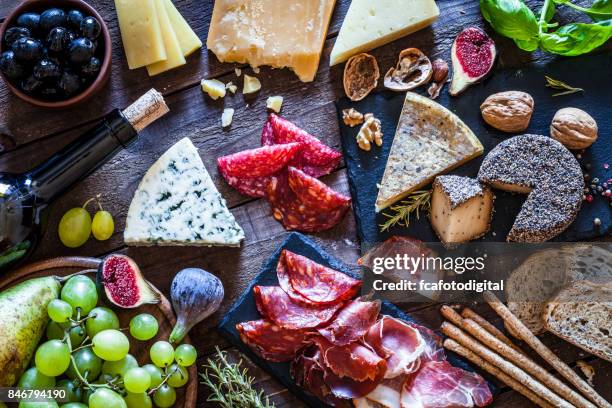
175 57
264 32
188 40
371 23
140 32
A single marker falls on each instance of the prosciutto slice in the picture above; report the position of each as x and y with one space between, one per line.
352 322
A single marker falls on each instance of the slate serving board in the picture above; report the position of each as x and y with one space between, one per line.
592 73
244 310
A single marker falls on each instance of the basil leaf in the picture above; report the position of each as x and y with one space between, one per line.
511 18
550 12
600 10
576 38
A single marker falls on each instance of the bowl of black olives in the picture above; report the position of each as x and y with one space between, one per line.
54 53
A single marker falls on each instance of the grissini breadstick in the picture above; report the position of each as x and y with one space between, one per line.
507 367
468 313
451 315
452 345
528 337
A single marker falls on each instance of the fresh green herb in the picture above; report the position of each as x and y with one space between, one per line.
515 20
417 201
562 86
230 385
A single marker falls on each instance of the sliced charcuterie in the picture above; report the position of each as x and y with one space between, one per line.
263 161
252 187
355 361
352 322
271 341
347 388
315 193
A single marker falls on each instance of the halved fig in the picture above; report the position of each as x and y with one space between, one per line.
360 76
473 55
122 283
413 69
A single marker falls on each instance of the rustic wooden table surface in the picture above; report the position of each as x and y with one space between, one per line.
38 133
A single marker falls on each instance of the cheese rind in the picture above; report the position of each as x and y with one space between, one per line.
174 54
188 40
177 203
369 24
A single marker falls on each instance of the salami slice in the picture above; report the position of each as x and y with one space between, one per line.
273 303
270 341
252 187
285 284
263 161
351 323
315 193
355 361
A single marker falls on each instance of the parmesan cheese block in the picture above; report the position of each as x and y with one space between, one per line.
188 40
140 32
369 24
461 209
429 140
176 203
266 32
174 53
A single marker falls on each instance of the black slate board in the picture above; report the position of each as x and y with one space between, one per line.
244 310
593 73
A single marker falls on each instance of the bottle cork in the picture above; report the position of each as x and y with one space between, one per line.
146 110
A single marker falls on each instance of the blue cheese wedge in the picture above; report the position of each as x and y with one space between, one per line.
177 203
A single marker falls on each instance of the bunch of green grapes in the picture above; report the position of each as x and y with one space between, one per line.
87 354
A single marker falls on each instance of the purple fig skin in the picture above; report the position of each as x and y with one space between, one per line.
196 294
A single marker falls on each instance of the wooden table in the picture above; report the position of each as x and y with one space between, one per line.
38 133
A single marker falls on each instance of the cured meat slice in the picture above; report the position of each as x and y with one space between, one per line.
347 388
401 344
440 385
271 341
263 161
315 193
355 361
316 282
285 284
433 349
386 394
273 303
252 187
351 323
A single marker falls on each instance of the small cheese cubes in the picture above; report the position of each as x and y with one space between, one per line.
251 84
274 103
214 88
227 117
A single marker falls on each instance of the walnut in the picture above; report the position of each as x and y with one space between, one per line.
371 131
508 111
413 69
439 77
574 128
351 117
360 76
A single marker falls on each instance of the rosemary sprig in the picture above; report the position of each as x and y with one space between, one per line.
230 385
562 86
417 201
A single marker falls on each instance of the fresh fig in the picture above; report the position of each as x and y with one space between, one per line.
122 283
473 55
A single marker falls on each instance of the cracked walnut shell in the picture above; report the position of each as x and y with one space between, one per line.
413 69
360 76
508 111
573 128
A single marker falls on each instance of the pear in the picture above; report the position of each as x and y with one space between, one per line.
23 318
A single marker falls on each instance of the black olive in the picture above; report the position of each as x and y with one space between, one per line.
74 19
46 69
50 92
52 18
80 50
14 33
69 83
28 49
90 28
31 84
58 39
91 67
10 66
72 35
31 21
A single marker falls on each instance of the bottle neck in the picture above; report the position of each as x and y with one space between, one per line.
83 156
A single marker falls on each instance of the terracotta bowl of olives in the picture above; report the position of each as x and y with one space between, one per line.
54 53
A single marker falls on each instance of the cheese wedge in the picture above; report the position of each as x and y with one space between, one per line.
371 23
174 53
177 203
429 140
140 32
188 40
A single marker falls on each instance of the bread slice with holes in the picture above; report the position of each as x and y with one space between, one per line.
581 314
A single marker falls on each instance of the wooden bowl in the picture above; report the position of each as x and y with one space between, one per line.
187 396
103 41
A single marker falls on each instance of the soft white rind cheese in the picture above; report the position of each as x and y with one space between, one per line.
177 203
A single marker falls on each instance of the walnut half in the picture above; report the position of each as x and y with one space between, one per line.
574 128
508 111
371 131
351 117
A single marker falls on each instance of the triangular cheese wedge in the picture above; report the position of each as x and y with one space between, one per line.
429 140
177 203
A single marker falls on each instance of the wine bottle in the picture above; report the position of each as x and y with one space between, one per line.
24 197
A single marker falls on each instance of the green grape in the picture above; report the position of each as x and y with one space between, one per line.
88 363
75 227
141 400
114 368
55 331
104 378
144 327
59 311
52 358
105 398
74 404
165 396
137 380
178 376
111 345
33 379
102 225
162 354
157 375
101 318
80 292
86 394
73 392
40 404
185 355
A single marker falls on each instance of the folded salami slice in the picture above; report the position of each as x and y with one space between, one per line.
285 284
273 303
315 193
351 323
355 361
270 341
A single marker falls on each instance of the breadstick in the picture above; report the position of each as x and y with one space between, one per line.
452 345
451 315
507 367
524 362
528 337
468 313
